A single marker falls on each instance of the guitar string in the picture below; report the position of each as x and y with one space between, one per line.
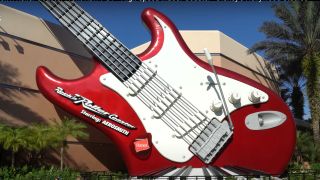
168 111
101 53
119 55
197 133
62 15
80 28
174 114
82 32
88 40
133 67
171 118
93 34
74 7
116 46
182 114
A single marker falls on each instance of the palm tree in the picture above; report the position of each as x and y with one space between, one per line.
306 150
14 139
38 137
291 88
70 127
42 137
295 42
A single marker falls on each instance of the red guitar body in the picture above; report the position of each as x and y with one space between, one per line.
268 150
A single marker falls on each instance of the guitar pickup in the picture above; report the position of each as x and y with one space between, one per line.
211 140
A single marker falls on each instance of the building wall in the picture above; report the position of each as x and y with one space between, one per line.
27 42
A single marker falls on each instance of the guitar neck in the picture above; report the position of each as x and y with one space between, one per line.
111 52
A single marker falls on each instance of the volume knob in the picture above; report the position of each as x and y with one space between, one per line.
216 106
255 96
234 98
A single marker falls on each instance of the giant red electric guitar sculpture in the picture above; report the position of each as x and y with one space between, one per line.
166 108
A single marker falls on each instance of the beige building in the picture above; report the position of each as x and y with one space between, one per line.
27 42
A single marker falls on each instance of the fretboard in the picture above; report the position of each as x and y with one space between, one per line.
111 52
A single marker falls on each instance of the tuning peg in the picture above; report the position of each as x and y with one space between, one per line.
234 98
255 96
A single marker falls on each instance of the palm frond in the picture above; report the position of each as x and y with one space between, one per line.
294 44
73 128
289 17
273 29
275 46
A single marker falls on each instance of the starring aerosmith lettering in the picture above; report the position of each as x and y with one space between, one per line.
90 106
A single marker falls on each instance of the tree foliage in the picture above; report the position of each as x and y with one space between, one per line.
70 127
293 43
306 150
38 137
291 89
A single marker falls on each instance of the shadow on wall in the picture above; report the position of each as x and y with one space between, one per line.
53 156
8 75
18 111
74 47
6 46
4 43
103 150
9 91
8 94
106 152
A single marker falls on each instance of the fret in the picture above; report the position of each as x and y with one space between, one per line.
89 44
64 11
115 45
101 35
113 55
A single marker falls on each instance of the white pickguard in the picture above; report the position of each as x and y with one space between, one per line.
183 74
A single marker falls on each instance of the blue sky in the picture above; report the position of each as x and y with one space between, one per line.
238 20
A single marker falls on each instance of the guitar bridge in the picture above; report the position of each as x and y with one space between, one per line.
211 140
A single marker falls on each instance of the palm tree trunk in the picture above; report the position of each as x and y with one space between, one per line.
315 115
61 157
12 158
313 91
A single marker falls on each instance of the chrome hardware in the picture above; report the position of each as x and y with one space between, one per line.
234 98
264 120
255 96
216 106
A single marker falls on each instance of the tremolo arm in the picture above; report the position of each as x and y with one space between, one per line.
211 139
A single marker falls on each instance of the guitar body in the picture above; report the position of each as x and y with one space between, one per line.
132 130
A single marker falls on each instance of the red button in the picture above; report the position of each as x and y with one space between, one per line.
141 145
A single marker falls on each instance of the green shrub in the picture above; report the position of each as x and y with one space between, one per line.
315 166
26 173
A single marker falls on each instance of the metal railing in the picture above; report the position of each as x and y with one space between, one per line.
291 175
